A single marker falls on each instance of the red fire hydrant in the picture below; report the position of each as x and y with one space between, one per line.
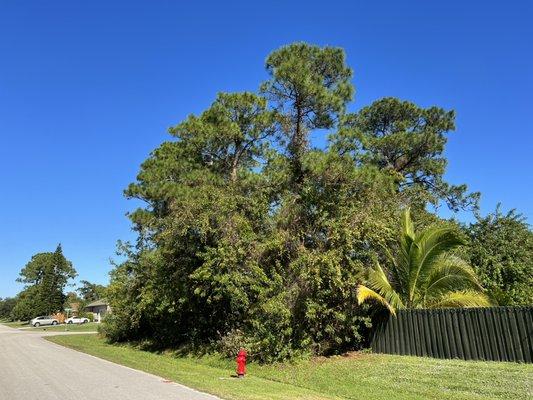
241 363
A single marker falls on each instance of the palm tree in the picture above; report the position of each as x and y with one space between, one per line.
424 274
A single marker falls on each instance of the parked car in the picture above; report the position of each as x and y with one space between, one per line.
45 320
77 320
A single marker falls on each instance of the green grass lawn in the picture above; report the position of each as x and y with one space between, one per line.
15 324
358 376
88 327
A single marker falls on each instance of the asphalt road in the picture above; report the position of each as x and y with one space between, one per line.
33 368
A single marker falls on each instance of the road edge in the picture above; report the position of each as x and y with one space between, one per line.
214 397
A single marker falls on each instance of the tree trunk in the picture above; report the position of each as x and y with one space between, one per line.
296 146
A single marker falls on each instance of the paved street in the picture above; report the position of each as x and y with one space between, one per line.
33 368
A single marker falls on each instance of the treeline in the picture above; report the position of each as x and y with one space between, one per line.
253 237
46 277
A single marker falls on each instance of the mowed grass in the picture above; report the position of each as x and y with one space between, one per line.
356 376
14 324
88 327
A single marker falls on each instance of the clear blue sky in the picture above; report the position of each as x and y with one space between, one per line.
88 89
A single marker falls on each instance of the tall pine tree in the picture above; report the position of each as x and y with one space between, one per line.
46 276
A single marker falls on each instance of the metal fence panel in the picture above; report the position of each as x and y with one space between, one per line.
495 333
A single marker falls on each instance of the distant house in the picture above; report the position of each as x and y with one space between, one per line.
99 308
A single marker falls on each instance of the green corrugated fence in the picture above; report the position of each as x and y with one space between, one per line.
495 333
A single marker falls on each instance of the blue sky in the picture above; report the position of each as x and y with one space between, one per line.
88 89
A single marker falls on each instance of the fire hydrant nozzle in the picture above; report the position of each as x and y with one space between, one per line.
241 363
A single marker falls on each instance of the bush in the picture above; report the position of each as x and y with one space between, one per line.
115 328
230 344
501 252
6 306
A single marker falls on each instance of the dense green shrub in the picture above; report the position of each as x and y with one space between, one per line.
6 307
502 253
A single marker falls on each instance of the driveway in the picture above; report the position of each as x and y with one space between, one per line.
33 368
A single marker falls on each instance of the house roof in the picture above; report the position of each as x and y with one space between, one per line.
96 303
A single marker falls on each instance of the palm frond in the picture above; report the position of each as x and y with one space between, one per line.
408 228
422 274
403 264
430 245
364 294
377 280
461 299
450 273
396 269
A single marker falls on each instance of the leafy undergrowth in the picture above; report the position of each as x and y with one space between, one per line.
354 376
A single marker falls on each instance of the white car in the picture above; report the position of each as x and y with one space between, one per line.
45 320
77 320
